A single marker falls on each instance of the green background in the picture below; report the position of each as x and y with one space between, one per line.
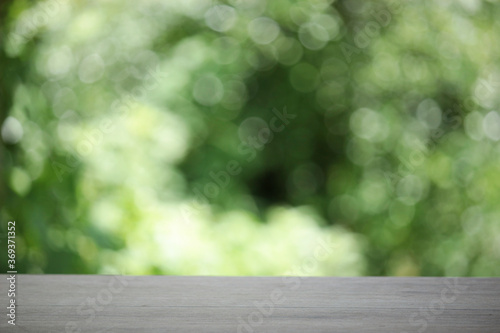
142 137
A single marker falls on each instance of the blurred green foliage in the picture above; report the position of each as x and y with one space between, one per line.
148 137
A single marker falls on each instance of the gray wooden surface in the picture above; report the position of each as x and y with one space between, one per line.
99 303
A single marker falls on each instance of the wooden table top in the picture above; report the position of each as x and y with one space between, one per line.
104 303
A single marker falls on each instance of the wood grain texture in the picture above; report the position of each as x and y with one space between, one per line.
99 303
